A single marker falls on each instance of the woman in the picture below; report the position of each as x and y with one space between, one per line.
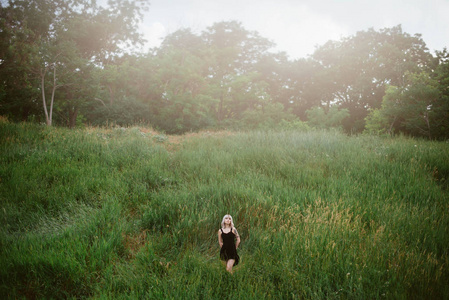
229 241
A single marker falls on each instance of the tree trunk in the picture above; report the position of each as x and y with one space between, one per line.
25 113
52 94
426 119
111 94
73 114
220 108
43 97
48 114
391 126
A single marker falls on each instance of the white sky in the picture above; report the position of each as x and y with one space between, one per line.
298 26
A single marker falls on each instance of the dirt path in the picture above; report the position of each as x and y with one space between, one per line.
172 142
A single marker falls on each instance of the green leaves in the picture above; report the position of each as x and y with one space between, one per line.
66 37
319 118
416 108
359 67
69 57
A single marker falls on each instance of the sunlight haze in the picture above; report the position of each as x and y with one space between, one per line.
297 27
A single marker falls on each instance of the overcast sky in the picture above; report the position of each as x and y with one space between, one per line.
297 27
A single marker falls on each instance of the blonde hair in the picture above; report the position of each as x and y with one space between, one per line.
222 221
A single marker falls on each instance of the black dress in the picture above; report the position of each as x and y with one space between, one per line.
228 250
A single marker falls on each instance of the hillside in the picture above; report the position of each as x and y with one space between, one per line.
132 213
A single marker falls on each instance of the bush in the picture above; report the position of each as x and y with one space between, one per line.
124 112
317 117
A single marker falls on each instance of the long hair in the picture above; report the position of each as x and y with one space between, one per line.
222 221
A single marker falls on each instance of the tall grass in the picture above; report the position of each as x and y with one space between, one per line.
120 213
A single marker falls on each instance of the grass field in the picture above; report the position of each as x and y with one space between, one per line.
129 213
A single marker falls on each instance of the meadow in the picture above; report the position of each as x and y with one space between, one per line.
128 213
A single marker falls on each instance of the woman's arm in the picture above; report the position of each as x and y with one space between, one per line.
237 236
220 240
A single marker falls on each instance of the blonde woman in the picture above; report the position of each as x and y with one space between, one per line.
229 241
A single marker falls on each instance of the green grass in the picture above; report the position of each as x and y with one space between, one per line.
120 213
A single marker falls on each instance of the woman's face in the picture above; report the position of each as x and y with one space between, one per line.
227 220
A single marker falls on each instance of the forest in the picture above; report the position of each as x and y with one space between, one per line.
75 63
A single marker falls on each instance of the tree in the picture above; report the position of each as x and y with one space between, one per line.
303 86
359 67
184 99
441 107
67 38
24 25
318 117
412 108
234 52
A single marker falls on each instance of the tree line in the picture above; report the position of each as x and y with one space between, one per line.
68 62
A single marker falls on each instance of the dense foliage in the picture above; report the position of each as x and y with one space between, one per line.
65 62
127 213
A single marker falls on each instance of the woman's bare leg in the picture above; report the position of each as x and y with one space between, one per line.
229 265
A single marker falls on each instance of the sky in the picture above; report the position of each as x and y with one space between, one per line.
297 27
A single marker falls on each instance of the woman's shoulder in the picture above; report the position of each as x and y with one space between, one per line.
236 232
